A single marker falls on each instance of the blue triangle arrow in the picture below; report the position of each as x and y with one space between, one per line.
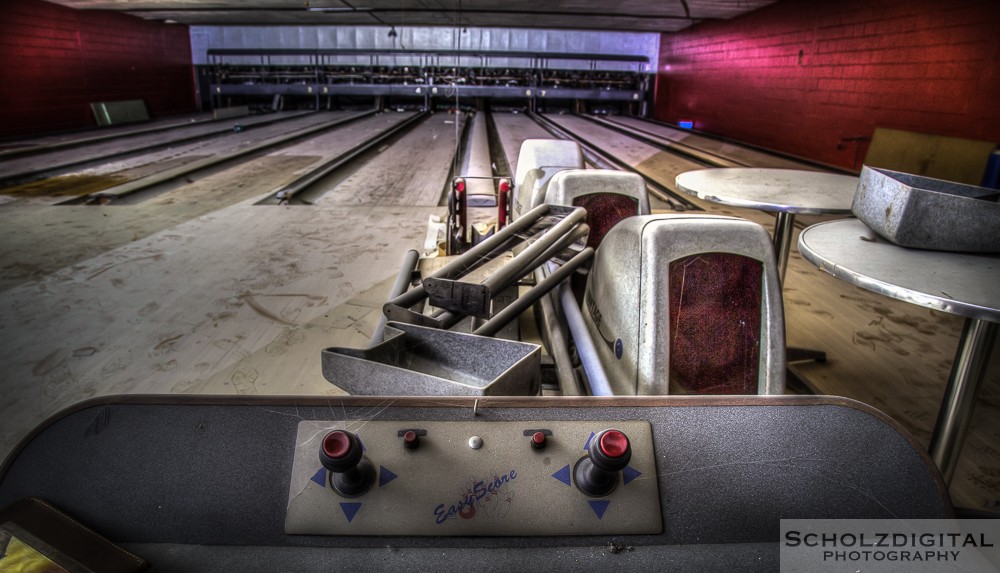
350 510
385 476
587 445
563 475
599 506
630 474
320 477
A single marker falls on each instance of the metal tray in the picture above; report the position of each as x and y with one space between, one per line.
417 360
925 213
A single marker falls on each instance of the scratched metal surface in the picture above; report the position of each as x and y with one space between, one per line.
210 473
957 283
619 300
781 190
608 556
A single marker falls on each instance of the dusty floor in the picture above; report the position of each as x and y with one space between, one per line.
200 291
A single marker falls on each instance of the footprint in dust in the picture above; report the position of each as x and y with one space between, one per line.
243 381
185 387
149 309
58 382
167 366
84 352
288 337
291 314
53 360
119 363
123 387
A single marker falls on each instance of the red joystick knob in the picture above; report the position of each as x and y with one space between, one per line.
337 444
609 452
341 451
342 454
614 444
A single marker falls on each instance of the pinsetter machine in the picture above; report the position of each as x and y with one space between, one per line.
664 442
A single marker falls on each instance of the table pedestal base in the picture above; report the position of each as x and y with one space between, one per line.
784 225
966 378
793 354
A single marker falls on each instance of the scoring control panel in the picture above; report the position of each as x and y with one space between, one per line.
473 478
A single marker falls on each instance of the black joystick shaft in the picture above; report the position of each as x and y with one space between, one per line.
351 474
597 474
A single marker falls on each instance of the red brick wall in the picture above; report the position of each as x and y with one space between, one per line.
55 61
800 75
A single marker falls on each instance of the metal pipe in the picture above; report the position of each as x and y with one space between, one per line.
448 320
410 260
579 232
551 330
554 240
500 319
474 257
520 264
967 373
783 228
585 349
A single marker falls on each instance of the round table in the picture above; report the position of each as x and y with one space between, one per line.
786 192
957 283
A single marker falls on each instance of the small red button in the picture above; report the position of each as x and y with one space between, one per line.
613 444
410 440
336 444
538 440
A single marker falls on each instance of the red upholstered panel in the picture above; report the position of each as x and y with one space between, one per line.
604 210
715 324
